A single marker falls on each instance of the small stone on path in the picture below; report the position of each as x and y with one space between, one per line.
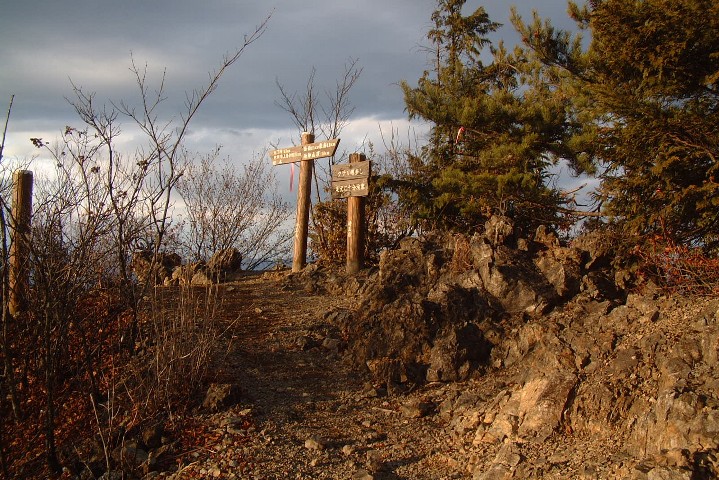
362 475
314 443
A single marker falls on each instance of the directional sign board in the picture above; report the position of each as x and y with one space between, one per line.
310 151
351 179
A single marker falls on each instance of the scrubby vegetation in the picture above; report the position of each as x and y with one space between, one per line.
99 353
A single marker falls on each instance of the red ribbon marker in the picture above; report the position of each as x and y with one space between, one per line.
292 175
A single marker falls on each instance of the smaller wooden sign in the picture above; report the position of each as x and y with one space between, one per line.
350 188
351 179
347 171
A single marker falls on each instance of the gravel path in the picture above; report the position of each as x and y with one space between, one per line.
303 414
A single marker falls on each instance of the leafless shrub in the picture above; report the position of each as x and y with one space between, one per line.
677 268
230 209
461 256
180 334
90 214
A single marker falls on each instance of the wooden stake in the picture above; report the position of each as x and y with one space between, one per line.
304 190
355 227
20 247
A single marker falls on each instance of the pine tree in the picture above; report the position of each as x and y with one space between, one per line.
647 94
496 129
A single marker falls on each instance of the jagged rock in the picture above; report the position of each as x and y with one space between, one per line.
156 274
202 278
495 472
541 404
561 268
387 371
546 237
531 411
455 353
507 275
598 249
664 473
183 274
503 466
499 230
433 303
221 395
332 344
576 355
375 462
315 443
152 436
416 408
362 475
305 342
228 260
599 286
131 455
423 341
408 266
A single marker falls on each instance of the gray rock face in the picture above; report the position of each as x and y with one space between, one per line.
510 279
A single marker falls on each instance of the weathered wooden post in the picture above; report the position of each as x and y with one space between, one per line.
304 190
351 181
355 227
20 224
305 153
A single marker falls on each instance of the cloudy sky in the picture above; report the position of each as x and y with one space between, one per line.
47 44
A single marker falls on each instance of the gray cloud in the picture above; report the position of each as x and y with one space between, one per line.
45 43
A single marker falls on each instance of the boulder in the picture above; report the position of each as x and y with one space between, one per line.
228 260
183 274
158 272
221 396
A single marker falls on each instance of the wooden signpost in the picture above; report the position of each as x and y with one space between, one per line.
305 153
352 180
20 226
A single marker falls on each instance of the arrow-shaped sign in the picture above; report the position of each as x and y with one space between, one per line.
310 151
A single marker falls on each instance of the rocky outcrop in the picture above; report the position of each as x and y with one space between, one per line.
553 353
639 378
438 305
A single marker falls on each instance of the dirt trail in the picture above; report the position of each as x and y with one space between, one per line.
303 413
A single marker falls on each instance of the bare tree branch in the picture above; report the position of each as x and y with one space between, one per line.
4 132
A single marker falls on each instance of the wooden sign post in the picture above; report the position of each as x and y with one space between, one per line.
352 181
20 225
305 153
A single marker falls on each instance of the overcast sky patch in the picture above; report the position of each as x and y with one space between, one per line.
46 44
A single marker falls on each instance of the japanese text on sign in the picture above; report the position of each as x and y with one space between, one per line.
310 151
352 187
